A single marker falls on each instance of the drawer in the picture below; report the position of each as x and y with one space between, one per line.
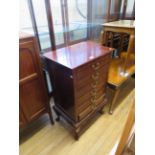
93 92
83 90
97 92
102 72
82 99
91 89
83 71
83 106
95 102
100 76
88 69
83 82
85 109
84 113
101 63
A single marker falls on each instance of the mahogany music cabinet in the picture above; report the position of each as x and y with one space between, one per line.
79 75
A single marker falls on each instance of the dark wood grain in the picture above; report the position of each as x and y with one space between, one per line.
78 54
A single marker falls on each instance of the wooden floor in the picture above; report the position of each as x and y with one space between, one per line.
41 138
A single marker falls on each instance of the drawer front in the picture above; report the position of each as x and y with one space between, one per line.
84 113
91 95
89 68
96 101
83 106
99 75
90 85
93 81
97 91
89 106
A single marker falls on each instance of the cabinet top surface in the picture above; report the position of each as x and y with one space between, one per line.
23 35
121 23
78 54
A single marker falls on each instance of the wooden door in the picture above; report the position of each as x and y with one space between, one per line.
32 95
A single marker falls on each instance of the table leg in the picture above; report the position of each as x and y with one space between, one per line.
130 48
103 37
116 92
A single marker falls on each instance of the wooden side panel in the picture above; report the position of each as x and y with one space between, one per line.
32 95
63 89
32 99
26 62
22 120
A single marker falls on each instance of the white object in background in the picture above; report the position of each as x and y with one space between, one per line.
49 85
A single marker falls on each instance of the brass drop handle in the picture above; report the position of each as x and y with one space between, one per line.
93 92
93 103
92 100
93 106
95 77
100 98
94 96
96 66
93 85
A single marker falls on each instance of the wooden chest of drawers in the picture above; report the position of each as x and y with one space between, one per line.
79 74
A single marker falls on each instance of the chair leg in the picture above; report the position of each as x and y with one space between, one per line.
111 107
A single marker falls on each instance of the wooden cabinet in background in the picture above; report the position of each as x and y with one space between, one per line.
22 120
79 75
32 91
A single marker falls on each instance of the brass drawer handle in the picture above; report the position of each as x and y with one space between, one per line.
84 113
93 106
93 92
100 98
94 97
96 66
95 77
93 101
93 85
